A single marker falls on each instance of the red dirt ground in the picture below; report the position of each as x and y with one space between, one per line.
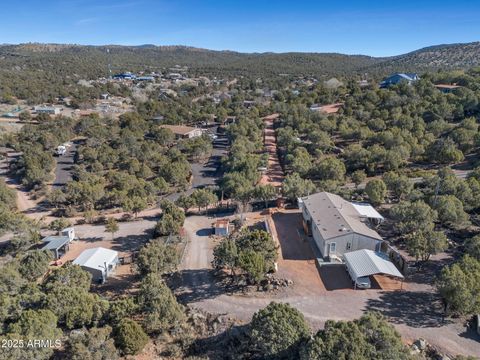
297 260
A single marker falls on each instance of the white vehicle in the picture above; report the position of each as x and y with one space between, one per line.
61 150
363 282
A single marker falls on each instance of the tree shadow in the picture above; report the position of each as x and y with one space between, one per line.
155 217
427 272
415 309
204 232
470 333
131 242
66 161
335 277
228 344
92 239
199 284
40 207
117 285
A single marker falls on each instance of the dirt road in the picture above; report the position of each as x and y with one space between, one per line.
24 202
196 281
274 174
199 253
65 163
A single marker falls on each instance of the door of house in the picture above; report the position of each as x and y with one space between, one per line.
332 248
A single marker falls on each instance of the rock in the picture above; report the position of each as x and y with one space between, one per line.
414 350
268 287
199 315
289 282
242 282
421 344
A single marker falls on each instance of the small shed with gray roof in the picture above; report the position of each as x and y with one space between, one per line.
339 226
58 245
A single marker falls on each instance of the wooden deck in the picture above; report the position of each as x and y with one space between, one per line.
388 283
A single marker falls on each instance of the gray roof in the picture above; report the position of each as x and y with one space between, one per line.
335 216
367 262
96 258
53 237
55 242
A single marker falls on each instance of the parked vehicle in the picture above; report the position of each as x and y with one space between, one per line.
363 283
61 150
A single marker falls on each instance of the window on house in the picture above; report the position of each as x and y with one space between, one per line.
349 245
333 247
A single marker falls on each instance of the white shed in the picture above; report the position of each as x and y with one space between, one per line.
70 232
99 262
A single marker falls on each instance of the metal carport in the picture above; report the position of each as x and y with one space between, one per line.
367 262
56 244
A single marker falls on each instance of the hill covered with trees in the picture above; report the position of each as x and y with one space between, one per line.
91 61
44 71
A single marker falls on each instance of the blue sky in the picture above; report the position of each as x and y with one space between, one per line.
378 28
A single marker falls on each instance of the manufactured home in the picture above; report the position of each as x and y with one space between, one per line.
339 226
99 262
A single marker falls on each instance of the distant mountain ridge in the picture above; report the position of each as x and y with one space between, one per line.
447 57
89 61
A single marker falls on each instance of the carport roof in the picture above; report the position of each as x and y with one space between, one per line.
56 242
367 262
367 210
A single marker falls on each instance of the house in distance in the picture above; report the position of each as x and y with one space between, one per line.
183 132
396 79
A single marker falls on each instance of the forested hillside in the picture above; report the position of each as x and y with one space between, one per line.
89 61
27 70
444 57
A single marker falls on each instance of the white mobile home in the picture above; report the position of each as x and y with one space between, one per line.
51 110
339 226
99 262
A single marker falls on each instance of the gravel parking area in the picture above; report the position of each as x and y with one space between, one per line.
296 259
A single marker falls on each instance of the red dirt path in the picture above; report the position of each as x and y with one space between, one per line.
274 174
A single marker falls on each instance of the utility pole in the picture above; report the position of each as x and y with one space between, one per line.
109 63
437 190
